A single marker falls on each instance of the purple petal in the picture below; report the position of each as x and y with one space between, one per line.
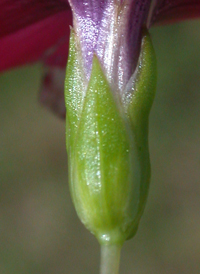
88 15
96 22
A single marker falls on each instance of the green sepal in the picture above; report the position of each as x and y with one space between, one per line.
75 88
138 106
105 178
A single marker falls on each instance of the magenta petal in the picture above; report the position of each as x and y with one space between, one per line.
169 11
18 14
31 43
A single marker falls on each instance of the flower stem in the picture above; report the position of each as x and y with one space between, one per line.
110 259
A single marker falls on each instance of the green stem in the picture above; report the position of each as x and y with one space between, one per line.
110 259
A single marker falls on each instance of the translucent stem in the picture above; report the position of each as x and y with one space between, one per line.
110 259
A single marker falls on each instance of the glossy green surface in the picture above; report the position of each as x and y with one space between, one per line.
138 109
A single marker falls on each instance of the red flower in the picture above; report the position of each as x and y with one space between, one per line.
34 30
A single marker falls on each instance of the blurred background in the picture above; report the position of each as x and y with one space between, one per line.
39 230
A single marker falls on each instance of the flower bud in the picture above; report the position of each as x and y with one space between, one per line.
107 144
